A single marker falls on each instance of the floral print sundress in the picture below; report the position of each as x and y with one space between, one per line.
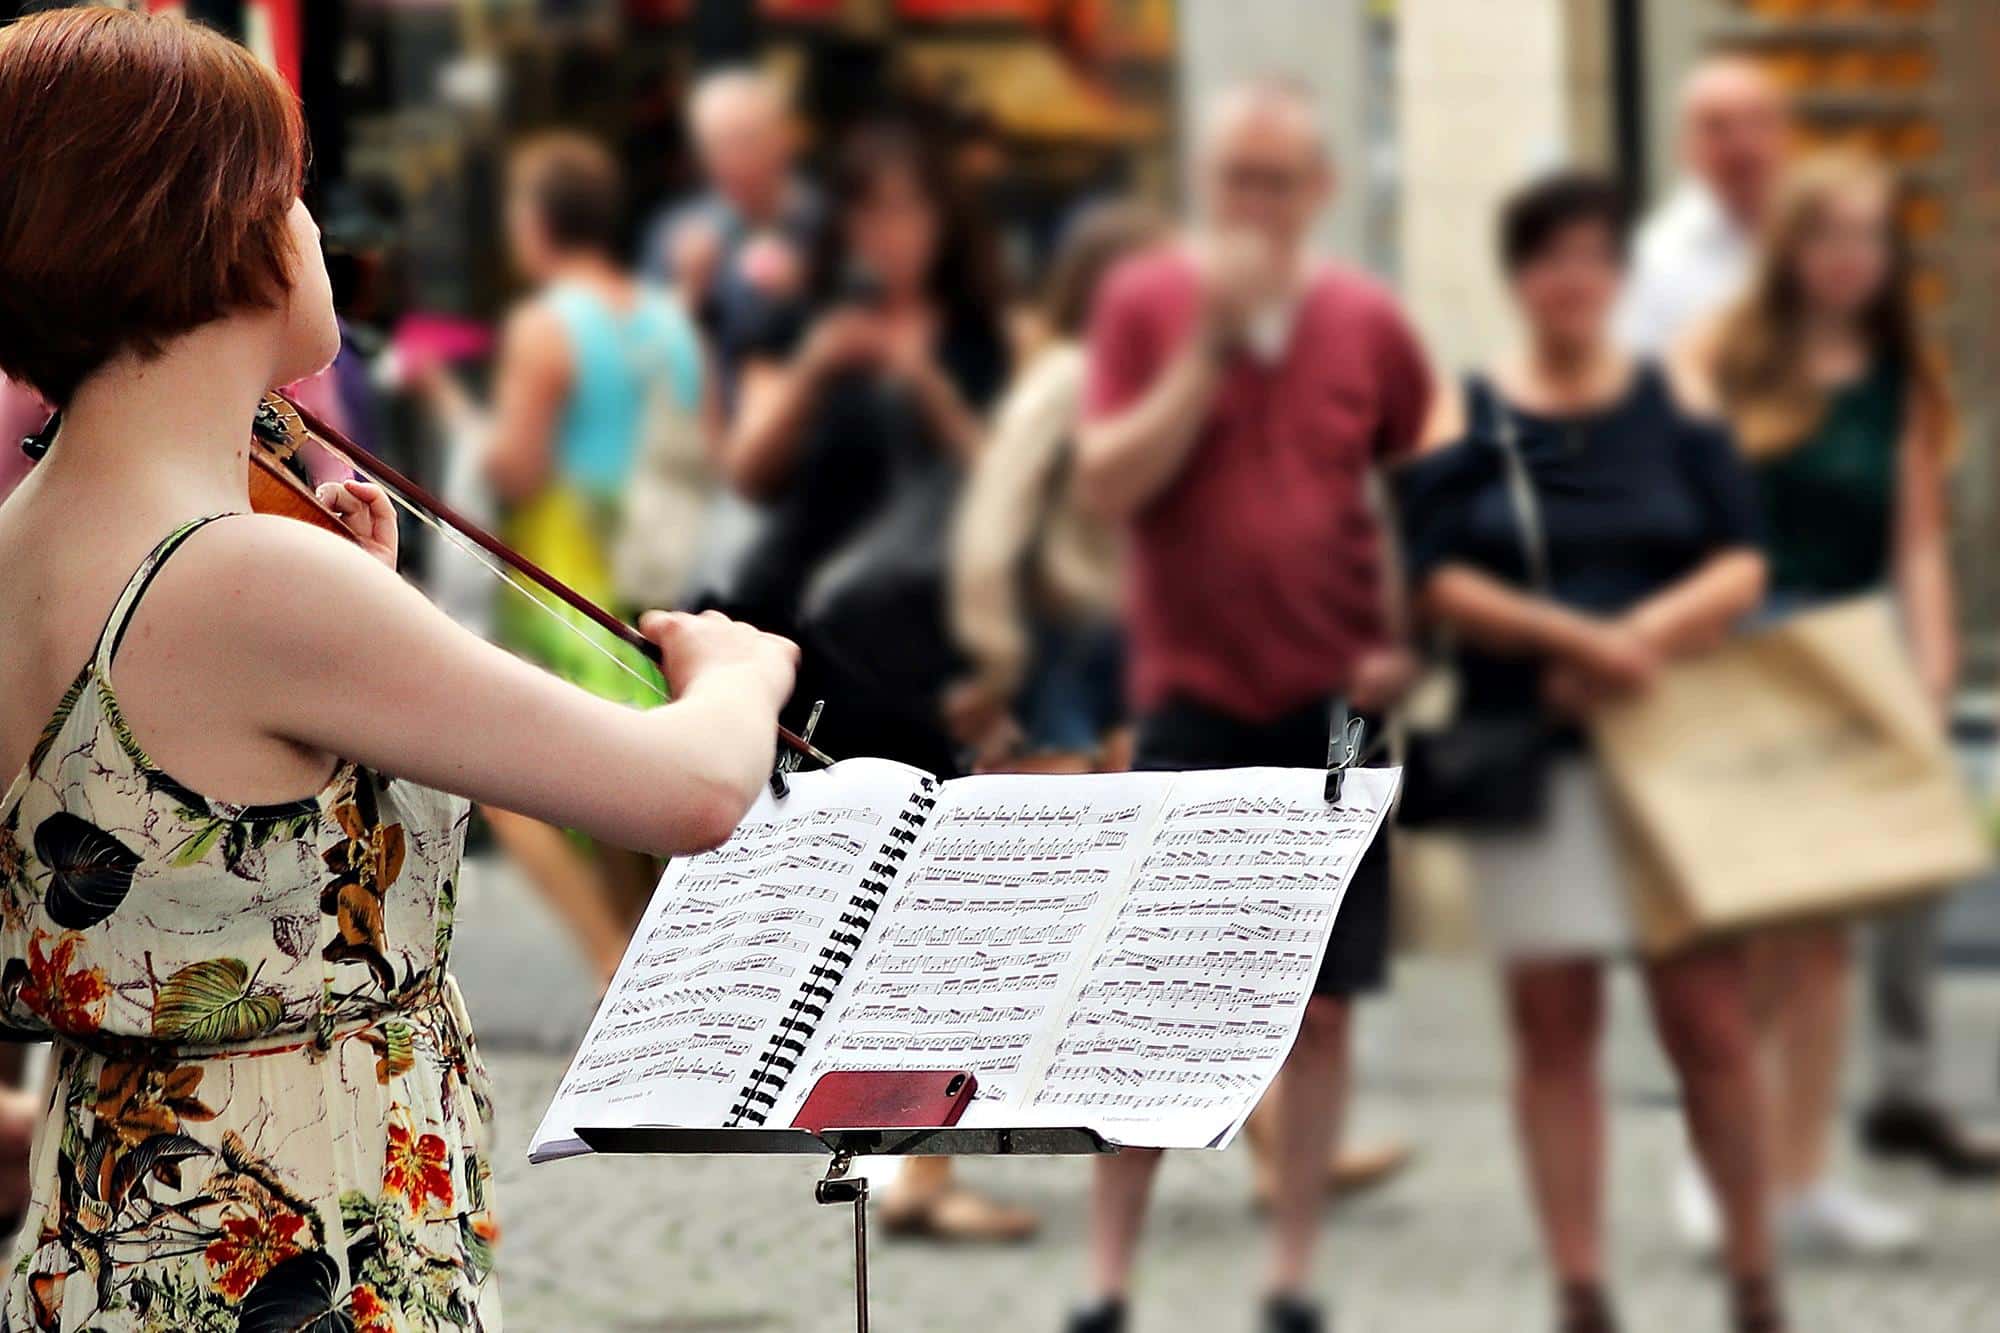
267 1113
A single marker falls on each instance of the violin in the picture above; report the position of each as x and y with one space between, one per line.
280 485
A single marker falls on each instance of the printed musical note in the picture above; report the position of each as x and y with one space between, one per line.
1190 1001
1129 952
985 929
723 955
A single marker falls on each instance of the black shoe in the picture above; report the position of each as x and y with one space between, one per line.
1756 1307
1932 1136
1105 1317
1586 1308
1289 1314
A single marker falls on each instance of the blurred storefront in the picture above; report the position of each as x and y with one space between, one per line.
412 101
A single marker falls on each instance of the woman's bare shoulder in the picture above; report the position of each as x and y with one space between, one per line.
1690 367
255 581
1446 424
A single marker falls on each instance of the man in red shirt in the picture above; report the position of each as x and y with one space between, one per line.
1240 393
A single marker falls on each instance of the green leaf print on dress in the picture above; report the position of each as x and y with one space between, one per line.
213 1003
255 1037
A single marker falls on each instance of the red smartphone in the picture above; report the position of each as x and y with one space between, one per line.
886 1099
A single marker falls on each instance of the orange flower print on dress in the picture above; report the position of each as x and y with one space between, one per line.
66 997
13 878
365 863
250 1247
486 1226
143 1098
419 1169
368 1312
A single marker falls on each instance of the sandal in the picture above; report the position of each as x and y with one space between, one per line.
957 1214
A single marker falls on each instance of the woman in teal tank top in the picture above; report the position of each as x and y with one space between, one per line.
621 361
583 367
1843 409
587 367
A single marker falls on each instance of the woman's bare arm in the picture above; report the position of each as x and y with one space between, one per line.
279 632
1698 613
533 382
1505 620
1923 559
774 400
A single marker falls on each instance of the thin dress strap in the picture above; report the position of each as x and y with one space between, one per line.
113 633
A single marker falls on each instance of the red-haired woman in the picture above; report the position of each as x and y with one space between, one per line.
227 847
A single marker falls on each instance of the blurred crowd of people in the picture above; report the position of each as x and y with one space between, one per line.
1143 518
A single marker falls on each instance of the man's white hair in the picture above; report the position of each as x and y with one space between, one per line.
723 90
1289 96
1726 74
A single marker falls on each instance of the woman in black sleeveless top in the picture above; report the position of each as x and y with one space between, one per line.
1578 528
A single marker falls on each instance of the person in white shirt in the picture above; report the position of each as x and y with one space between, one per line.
1694 255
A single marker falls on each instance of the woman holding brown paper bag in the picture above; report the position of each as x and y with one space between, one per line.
1577 528
1843 409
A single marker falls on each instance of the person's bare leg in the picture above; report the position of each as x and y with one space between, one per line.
568 882
629 878
1120 1190
1701 1009
1556 1015
1351 1168
1810 1036
1309 1098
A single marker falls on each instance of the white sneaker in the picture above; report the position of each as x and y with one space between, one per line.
1835 1220
1695 1212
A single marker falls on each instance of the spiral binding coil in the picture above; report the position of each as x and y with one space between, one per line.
757 1097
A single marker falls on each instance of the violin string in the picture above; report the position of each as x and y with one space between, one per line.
507 576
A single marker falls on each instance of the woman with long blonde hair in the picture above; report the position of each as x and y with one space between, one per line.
1843 407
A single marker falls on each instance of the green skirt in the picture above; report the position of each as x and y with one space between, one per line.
566 532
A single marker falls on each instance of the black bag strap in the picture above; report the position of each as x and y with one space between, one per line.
1490 418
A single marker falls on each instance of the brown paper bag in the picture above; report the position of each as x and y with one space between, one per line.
1798 773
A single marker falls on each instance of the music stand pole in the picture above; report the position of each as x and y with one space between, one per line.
838 1187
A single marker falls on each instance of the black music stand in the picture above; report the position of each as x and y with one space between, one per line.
838 1186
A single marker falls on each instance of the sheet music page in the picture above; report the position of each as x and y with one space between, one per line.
981 938
720 956
1193 993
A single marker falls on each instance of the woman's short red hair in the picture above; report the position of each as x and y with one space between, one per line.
147 168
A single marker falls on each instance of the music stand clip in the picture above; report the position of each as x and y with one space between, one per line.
1343 749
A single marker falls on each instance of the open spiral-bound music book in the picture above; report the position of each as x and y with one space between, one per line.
1127 953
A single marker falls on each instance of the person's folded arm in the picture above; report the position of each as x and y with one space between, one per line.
774 400
1699 612
999 516
1126 459
1498 617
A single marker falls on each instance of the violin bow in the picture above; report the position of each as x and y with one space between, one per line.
374 469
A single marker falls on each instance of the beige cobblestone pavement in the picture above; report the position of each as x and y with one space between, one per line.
712 1245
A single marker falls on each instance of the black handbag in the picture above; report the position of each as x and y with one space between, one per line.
1487 773
877 607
